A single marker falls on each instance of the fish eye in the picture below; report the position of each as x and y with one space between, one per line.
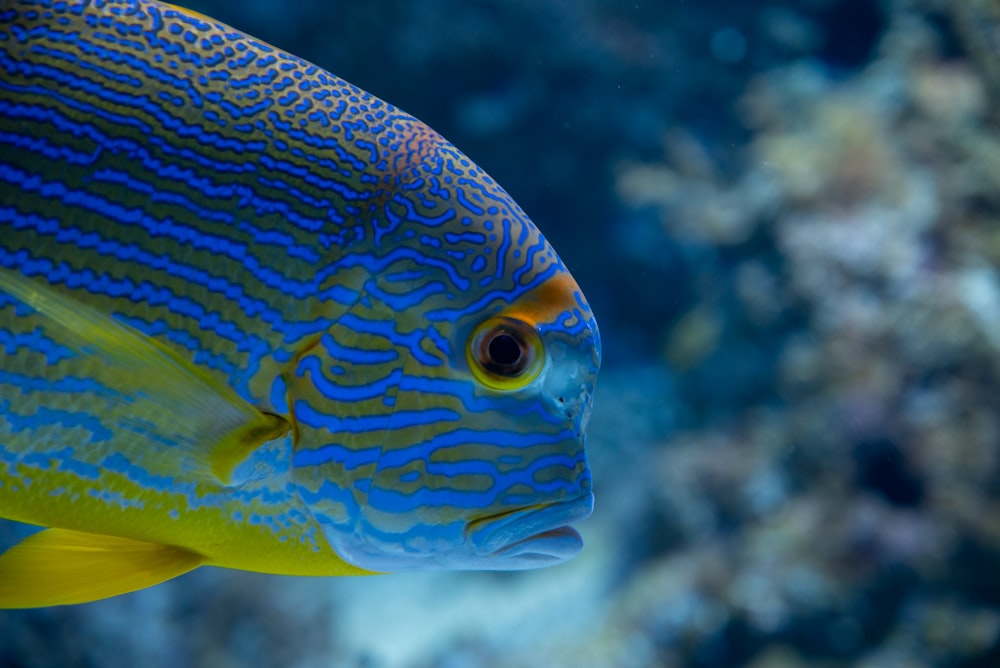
505 353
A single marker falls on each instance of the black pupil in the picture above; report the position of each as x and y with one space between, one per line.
504 350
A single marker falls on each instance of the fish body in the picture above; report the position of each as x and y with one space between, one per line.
252 316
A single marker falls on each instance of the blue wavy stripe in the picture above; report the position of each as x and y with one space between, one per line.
462 436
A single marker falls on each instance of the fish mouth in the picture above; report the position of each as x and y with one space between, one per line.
534 536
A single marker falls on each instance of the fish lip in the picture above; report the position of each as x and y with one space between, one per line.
537 534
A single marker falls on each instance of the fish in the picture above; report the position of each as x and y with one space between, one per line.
254 317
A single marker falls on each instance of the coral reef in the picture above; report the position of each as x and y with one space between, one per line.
874 452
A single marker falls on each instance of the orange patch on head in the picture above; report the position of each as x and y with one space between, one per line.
556 295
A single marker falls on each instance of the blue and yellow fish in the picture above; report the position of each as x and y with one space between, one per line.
253 317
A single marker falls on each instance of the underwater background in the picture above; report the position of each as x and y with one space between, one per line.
784 213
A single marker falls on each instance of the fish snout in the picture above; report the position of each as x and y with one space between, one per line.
530 537
568 386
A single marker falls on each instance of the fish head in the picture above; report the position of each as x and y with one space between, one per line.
495 480
472 356
479 460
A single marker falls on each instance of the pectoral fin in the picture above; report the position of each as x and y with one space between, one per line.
169 415
61 567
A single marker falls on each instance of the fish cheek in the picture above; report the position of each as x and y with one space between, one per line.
425 488
341 395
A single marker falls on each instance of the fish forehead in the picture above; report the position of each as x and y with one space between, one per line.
232 198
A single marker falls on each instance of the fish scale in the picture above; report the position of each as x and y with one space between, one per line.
237 303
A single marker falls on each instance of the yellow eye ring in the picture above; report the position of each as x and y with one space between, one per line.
505 354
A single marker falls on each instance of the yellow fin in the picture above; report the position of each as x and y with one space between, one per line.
191 12
206 418
61 567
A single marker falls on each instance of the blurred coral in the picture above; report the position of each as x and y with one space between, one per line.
876 196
